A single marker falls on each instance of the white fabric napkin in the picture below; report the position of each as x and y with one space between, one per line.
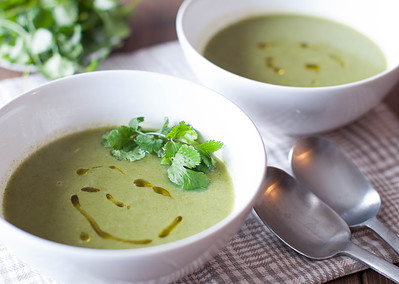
255 255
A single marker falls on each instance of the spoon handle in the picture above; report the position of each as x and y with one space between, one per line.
376 263
384 232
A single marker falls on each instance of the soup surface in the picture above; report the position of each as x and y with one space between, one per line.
74 192
295 50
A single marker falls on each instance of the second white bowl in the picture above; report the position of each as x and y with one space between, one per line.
293 110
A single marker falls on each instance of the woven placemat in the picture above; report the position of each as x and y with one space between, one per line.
255 255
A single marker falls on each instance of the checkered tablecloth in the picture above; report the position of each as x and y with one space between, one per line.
255 255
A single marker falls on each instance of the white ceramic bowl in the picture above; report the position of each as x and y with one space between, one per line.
293 110
113 97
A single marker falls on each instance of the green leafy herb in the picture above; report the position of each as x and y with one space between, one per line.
61 37
178 147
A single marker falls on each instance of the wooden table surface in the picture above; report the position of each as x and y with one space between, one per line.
154 23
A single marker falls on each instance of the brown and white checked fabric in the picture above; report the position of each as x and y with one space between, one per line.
255 255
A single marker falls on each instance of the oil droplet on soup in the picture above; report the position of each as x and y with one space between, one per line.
118 169
84 237
312 67
165 232
142 183
161 190
82 172
113 200
90 189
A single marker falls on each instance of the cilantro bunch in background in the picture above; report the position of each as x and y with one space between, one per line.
61 37
177 146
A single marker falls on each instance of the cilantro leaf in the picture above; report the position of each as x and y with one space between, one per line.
165 129
206 149
170 150
207 162
134 123
188 179
180 173
118 138
183 132
105 141
187 157
57 66
149 143
177 146
62 37
210 146
131 156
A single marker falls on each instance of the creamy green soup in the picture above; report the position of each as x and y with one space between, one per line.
295 50
73 191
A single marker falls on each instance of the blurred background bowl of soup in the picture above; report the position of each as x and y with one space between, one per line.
109 98
298 67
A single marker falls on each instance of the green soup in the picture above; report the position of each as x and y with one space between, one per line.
74 192
295 50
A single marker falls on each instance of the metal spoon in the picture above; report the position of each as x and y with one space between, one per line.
308 225
319 165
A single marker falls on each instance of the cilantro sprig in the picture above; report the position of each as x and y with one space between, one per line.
61 37
178 147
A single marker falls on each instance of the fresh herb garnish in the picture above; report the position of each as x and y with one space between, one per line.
61 37
177 146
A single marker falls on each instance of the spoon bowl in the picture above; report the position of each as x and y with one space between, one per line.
325 170
299 218
309 226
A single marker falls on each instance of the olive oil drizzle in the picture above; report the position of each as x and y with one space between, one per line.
138 182
157 189
165 232
274 68
90 189
142 183
97 229
82 172
334 57
338 60
313 67
118 169
304 45
161 190
113 200
264 45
